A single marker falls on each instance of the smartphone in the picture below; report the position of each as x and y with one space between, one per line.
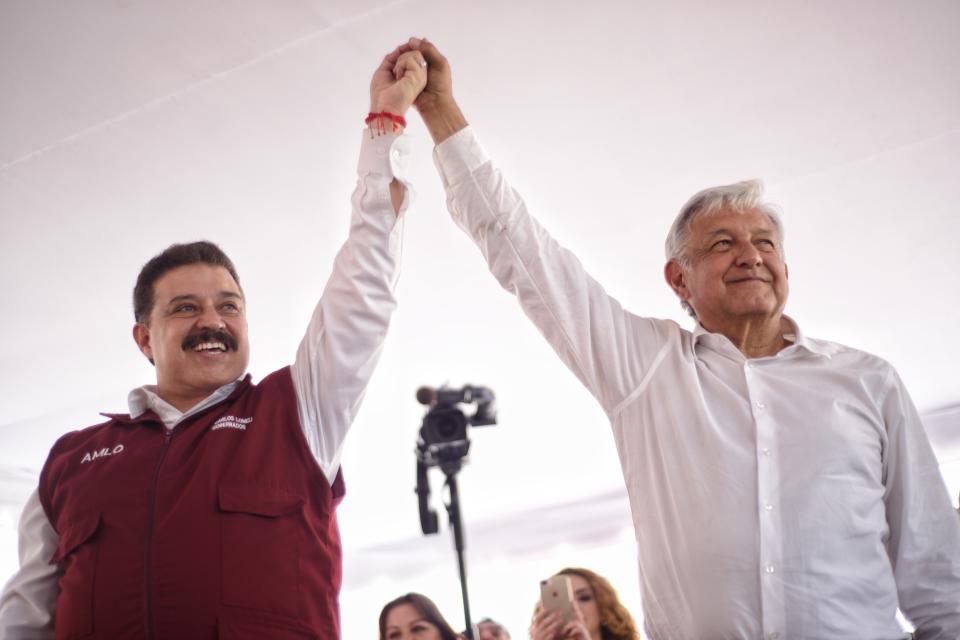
556 594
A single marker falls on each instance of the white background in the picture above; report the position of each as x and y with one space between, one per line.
127 125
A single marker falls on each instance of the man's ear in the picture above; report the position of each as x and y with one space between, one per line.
141 335
676 278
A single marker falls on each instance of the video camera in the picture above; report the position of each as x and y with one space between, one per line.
443 436
443 441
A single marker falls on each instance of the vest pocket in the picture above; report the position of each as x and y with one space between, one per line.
77 556
260 547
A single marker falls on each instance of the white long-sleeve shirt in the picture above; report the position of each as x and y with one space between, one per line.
793 496
333 364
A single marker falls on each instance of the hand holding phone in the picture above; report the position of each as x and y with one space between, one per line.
556 595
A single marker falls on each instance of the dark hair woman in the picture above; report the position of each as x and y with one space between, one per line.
414 617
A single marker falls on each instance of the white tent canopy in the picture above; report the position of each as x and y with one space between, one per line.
125 127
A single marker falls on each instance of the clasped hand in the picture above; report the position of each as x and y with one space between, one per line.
413 73
398 81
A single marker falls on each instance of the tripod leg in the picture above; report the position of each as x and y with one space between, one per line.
453 511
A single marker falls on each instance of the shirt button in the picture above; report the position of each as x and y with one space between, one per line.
760 405
774 635
768 507
765 451
770 568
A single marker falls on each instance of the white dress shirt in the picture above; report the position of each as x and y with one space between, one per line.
793 496
333 364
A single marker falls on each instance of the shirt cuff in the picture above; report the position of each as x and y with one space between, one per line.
386 155
458 156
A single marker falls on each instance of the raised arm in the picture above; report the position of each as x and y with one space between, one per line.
440 112
398 80
609 350
346 332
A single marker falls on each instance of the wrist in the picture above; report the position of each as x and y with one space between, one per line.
399 107
382 122
437 106
442 118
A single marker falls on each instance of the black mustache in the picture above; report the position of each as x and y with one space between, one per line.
210 336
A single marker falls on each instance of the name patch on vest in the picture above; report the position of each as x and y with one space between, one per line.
90 456
231 422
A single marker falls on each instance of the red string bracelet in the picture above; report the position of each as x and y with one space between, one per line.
394 119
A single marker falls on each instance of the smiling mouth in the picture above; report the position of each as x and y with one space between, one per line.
742 280
217 347
210 342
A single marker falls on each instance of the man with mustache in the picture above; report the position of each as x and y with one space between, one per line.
209 510
780 486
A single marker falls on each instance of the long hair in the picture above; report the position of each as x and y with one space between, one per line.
426 608
616 623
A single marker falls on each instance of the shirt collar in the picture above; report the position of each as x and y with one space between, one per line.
792 334
801 341
146 398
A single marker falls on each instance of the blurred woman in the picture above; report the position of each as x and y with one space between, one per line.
414 617
598 612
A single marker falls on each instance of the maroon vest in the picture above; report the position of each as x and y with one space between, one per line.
223 528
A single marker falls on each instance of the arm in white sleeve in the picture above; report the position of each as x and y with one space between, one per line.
346 332
608 349
924 542
30 597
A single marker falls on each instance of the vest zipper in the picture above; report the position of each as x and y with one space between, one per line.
148 548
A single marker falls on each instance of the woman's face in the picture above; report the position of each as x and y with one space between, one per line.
583 596
404 622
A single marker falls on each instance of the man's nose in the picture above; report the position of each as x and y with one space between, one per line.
749 256
210 318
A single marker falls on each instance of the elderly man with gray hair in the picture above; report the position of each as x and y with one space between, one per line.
781 486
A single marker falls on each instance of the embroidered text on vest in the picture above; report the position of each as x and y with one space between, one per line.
101 453
231 422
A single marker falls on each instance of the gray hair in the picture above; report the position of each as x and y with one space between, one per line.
740 197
